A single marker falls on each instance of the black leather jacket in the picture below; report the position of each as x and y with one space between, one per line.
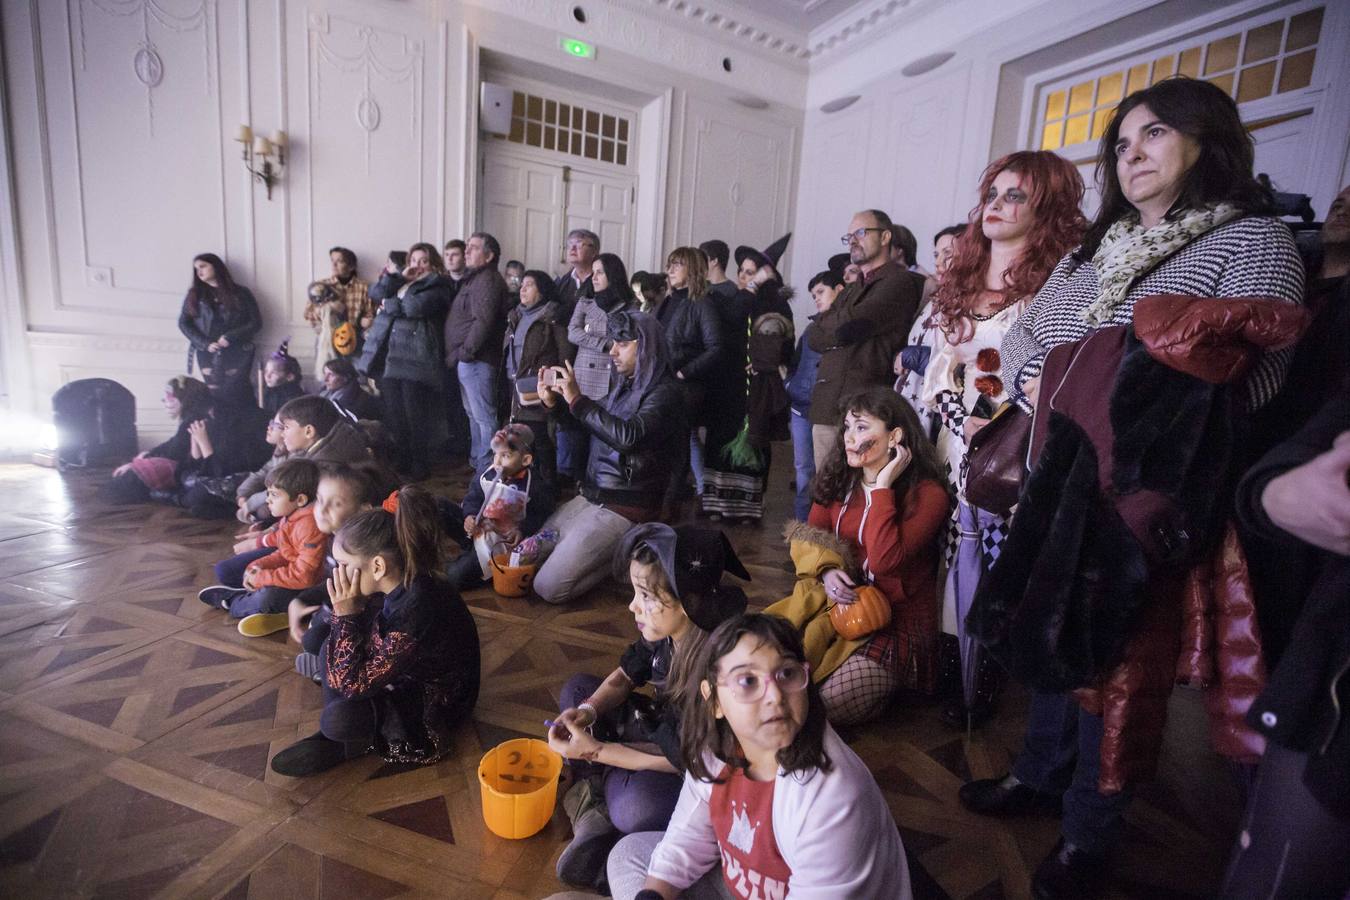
631 458
694 333
238 324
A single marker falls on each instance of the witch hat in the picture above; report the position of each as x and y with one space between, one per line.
770 255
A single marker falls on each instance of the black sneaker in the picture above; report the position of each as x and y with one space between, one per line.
311 756
219 596
1069 872
1005 796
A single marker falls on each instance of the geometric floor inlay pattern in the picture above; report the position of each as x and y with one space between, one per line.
136 727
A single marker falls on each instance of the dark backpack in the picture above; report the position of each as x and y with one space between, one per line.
95 422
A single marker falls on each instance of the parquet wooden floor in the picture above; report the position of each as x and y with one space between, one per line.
136 726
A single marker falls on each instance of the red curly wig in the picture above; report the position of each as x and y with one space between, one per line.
1055 194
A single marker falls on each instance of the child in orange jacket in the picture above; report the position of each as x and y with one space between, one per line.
271 581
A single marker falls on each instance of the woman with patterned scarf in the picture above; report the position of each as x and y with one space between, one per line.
1026 218
1181 215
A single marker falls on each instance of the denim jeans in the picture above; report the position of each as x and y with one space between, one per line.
263 600
803 463
478 390
696 453
230 572
1062 753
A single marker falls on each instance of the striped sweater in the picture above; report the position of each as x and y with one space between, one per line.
1249 257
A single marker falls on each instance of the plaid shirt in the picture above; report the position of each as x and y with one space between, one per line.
356 299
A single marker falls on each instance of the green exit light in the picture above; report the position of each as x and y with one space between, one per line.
579 49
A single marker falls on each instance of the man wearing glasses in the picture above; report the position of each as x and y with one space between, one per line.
860 334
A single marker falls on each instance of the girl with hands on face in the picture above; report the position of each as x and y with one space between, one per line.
396 675
879 503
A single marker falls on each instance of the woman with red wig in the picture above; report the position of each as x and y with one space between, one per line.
1027 218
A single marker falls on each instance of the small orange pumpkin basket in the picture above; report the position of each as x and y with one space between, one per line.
869 613
511 581
518 781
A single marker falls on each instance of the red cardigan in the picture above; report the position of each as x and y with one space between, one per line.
900 548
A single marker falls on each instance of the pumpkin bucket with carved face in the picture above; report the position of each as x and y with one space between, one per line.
869 613
344 339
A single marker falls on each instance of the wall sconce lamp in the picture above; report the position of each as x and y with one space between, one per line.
264 149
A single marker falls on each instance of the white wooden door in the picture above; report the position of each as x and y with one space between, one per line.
529 203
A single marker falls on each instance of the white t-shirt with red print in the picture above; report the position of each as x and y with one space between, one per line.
810 836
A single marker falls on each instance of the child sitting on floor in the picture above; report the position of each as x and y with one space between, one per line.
397 675
281 379
312 428
504 504
270 581
251 495
343 492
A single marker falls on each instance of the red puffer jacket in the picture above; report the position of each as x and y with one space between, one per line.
1199 629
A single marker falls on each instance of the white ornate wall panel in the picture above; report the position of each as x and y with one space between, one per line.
367 148
737 177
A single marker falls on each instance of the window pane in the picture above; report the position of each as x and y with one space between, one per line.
534 108
592 147
1100 119
517 130
1303 30
592 122
517 103
564 114
1263 42
1050 137
1077 130
1189 64
622 157
576 144
577 115
607 127
623 129
550 136
1080 98
1223 54
1297 71
1054 105
1163 66
607 151
1256 82
550 112
1223 82
532 136
1109 88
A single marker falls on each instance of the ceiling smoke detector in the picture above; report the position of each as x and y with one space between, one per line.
926 64
839 103
751 102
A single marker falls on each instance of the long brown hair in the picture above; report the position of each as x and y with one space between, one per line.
836 478
695 268
702 732
409 540
1054 195
224 292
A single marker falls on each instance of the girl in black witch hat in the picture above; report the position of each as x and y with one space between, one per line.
623 748
752 407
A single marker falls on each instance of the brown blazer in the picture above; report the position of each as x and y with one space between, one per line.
858 337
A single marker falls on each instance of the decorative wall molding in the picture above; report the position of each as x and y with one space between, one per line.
120 343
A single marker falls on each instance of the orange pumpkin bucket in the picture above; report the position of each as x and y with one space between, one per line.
870 612
518 781
511 581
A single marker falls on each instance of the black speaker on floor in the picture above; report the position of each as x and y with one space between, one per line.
95 422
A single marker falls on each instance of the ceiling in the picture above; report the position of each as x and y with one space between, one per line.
802 16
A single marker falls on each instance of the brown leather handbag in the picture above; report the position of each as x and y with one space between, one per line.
996 461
